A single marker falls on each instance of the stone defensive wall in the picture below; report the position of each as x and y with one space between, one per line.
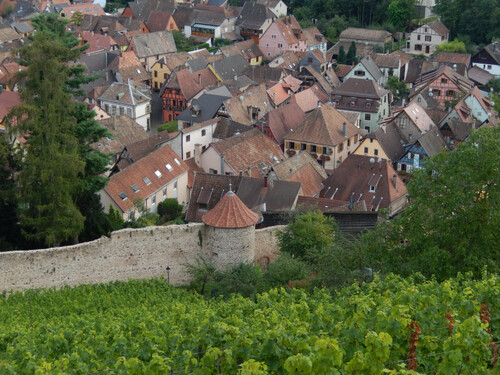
134 254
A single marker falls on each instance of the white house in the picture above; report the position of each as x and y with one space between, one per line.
198 137
425 39
160 175
126 99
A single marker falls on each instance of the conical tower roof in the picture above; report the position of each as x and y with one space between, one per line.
230 213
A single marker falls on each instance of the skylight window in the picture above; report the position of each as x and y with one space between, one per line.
177 161
169 167
158 173
135 188
122 195
146 181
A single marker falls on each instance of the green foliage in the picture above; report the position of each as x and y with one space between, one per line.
285 269
341 58
307 235
182 43
398 88
351 55
148 327
458 192
115 218
169 209
401 12
454 46
170 126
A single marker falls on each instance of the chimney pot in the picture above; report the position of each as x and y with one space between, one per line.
344 129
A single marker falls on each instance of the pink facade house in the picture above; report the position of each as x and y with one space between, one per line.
284 34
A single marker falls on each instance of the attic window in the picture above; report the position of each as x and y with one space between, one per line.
146 181
372 189
169 167
122 195
135 188
263 165
158 173
177 161
368 105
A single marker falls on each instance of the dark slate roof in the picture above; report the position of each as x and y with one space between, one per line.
414 70
389 138
263 74
229 67
432 142
479 76
97 62
253 15
227 128
202 109
142 8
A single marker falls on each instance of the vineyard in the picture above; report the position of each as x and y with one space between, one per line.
393 326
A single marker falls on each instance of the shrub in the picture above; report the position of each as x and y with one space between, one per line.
170 126
169 210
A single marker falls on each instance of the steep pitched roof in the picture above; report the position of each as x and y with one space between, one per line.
479 76
283 120
438 27
427 78
202 109
323 126
158 43
254 97
389 138
142 9
189 83
127 66
419 117
253 15
251 150
313 36
290 29
432 142
124 130
124 93
365 34
158 21
227 128
309 99
354 178
8 100
230 212
248 49
304 169
361 88
121 182
263 74
229 67
371 67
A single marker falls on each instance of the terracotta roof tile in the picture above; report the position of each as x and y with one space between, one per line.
143 174
251 149
282 120
124 130
324 126
8 100
230 212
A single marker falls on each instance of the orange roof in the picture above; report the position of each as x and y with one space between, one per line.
290 29
229 213
84 8
148 174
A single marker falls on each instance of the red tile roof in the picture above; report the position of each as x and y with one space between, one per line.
145 168
8 100
230 212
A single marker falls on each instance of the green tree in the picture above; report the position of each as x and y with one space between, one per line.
401 12
397 87
351 54
169 209
49 177
182 43
451 224
455 46
341 58
307 235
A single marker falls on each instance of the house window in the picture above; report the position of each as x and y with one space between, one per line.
428 38
418 47
359 73
375 151
188 138
122 110
188 155
450 93
314 148
291 145
366 150
203 132
444 80
372 189
489 67
164 192
280 45
341 147
437 92
165 75
213 171
156 73
368 117
303 146
348 143
426 29
371 140
273 36
418 37
129 112
154 200
367 128
309 60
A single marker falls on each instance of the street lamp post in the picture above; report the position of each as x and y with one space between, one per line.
168 274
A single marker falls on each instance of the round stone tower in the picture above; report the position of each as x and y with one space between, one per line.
230 232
